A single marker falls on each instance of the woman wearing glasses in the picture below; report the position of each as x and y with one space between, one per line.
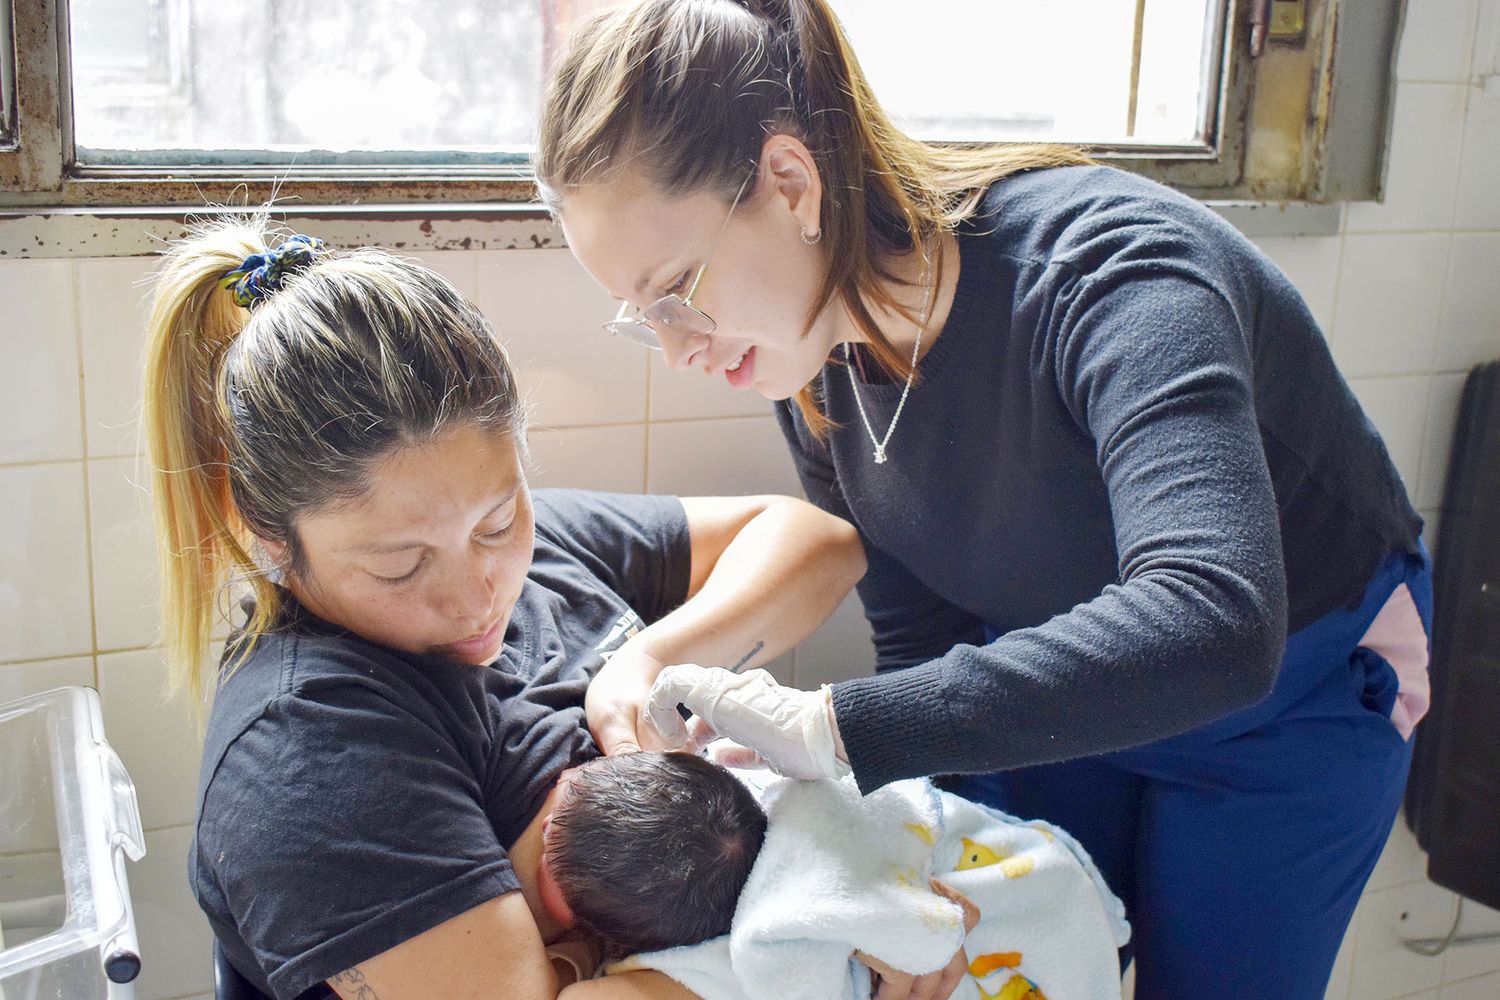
1139 565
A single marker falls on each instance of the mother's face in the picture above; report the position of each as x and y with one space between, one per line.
641 243
432 558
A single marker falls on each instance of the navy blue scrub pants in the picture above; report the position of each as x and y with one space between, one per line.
1240 849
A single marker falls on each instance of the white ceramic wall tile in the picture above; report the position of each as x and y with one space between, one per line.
1398 408
1383 967
1431 529
596 458
1474 958
1312 264
1486 59
1471 303
20 680
1483 988
1343 967
547 311
1401 862
176 942
784 668
1442 417
1390 294
44 586
124 554
1422 171
39 397
1436 40
692 395
113 307
710 457
458 266
155 735
839 649
1478 203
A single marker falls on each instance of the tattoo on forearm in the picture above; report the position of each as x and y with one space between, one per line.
747 657
352 984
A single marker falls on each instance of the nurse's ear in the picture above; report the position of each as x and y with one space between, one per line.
787 167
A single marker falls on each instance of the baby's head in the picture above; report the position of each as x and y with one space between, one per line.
651 850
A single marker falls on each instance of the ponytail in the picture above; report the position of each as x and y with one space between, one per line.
201 540
688 90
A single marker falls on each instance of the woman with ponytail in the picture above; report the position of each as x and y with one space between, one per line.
339 434
1139 564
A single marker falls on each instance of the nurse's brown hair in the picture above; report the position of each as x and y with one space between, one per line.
687 91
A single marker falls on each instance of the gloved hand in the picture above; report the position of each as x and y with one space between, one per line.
794 731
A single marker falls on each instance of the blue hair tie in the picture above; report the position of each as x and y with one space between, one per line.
260 274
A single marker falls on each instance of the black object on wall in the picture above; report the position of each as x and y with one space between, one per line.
1453 796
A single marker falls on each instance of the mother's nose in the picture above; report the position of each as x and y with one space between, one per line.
469 592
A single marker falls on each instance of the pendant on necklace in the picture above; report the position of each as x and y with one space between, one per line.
880 454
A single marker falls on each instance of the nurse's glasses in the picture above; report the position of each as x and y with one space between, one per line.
674 310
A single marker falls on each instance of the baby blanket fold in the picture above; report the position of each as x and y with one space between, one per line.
840 873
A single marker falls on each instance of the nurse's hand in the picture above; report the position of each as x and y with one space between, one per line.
616 699
793 731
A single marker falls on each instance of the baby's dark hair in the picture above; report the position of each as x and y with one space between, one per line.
651 850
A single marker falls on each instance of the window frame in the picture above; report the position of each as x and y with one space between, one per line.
1324 106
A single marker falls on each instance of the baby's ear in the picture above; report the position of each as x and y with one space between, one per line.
552 895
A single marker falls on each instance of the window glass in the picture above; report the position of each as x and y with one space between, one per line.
459 81
308 81
1067 70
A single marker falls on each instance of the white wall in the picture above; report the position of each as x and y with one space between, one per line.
1408 291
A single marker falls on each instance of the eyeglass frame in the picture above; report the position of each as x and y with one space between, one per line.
685 301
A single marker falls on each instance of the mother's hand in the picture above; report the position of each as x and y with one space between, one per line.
615 703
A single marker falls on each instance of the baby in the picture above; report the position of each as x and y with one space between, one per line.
651 850
776 889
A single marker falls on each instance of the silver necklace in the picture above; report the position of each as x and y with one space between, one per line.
880 443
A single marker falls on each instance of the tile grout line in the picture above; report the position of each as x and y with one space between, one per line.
1331 334
85 654
88 506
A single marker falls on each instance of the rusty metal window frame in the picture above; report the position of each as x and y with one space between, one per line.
7 78
1281 127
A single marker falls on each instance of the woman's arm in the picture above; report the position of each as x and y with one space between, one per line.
492 952
642 984
766 571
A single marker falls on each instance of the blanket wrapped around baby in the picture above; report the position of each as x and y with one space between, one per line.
841 872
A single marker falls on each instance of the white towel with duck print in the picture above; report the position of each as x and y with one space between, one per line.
840 872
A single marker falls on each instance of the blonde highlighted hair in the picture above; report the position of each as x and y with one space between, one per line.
687 91
254 418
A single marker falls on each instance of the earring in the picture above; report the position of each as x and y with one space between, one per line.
812 240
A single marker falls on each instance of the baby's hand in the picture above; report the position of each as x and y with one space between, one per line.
892 984
971 912
575 956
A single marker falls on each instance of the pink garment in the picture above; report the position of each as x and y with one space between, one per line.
1398 636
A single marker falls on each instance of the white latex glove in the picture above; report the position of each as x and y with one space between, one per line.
792 730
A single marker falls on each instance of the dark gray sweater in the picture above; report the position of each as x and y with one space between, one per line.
1129 454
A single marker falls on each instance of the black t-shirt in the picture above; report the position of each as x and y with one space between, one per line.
353 796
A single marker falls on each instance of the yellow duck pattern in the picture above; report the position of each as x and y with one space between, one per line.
1017 987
